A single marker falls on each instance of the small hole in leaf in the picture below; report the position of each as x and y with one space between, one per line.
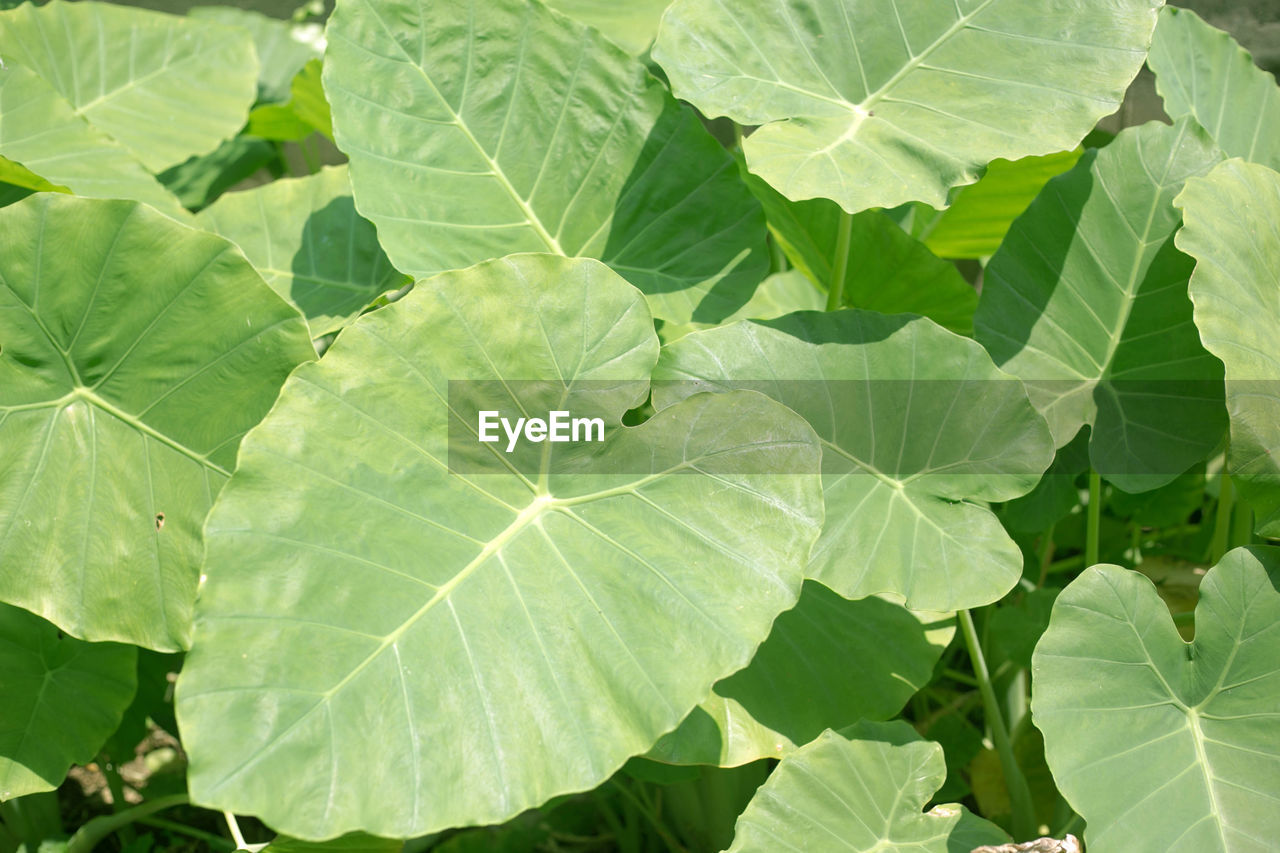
159 521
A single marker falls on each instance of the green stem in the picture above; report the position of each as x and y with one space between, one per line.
93 832
643 809
311 157
1046 553
1241 525
1222 520
1024 820
217 842
840 263
1094 520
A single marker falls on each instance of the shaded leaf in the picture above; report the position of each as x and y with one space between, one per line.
1086 302
571 148
63 697
306 239
828 663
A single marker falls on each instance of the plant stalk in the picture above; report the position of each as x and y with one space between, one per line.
1094 519
840 262
93 832
1024 819
1222 519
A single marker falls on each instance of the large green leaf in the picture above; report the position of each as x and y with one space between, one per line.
918 429
828 663
980 215
1157 743
476 129
41 131
1231 230
283 47
306 239
888 270
1086 301
864 792
1202 72
880 102
62 698
136 352
632 24
498 634
164 87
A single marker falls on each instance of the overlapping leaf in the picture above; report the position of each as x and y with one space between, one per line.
1086 301
1157 743
134 353
918 428
282 47
1231 230
632 25
493 636
866 791
1202 72
828 663
63 698
166 88
477 129
879 103
306 239
40 131
888 270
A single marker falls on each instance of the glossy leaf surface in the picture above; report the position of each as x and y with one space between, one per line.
493 638
1157 743
1087 302
554 141
136 353
873 104
917 425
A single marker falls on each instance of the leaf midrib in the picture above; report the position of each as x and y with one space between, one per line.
456 120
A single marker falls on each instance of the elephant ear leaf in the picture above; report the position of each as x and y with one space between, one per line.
865 788
873 104
1161 744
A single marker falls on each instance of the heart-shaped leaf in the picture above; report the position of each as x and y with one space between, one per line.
918 428
1202 72
828 663
497 634
1157 743
134 354
62 698
488 127
306 239
863 791
164 87
1230 230
873 104
1086 301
